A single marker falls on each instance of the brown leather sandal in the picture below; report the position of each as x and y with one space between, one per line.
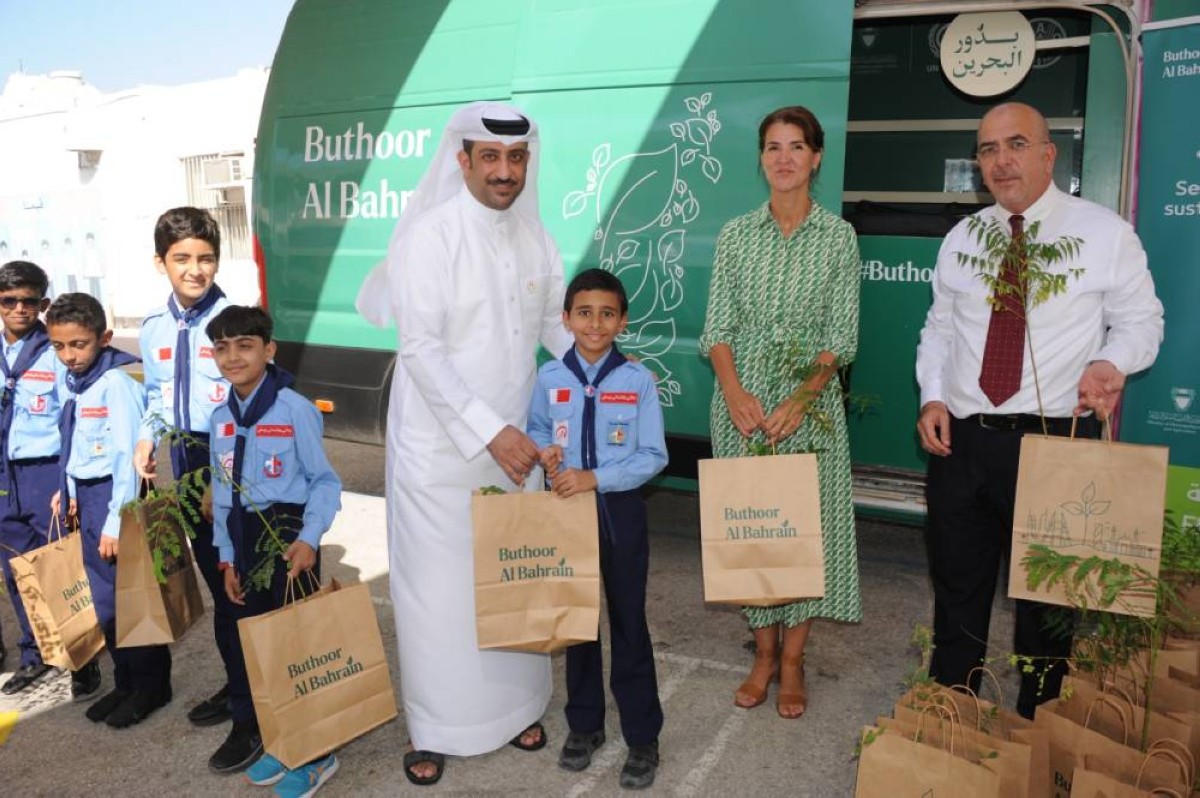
757 693
787 703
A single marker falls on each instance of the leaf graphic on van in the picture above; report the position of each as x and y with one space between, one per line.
635 191
655 337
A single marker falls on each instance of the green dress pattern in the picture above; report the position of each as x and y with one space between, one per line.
777 302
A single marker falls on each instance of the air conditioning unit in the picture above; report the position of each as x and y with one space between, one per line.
223 171
231 195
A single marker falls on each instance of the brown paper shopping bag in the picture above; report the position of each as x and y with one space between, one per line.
317 671
1070 742
1089 498
1090 781
537 570
57 597
892 766
1115 715
987 719
1010 760
760 529
150 612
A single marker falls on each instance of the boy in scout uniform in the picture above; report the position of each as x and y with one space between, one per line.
269 467
101 411
183 387
29 446
596 418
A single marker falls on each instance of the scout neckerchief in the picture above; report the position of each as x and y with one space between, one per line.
274 380
109 358
588 433
184 319
36 342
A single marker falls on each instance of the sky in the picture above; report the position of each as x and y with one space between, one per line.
119 44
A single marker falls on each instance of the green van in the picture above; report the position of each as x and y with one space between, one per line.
648 113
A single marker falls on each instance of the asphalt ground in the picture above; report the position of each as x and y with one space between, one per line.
709 747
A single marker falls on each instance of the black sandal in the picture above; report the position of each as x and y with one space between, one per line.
414 758
539 745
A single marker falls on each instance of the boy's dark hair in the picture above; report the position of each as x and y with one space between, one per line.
596 280
236 321
179 223
82 309
23 274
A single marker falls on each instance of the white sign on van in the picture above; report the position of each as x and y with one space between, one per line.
358 144
987 54
353 199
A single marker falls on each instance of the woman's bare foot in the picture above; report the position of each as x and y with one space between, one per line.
793 692
754 690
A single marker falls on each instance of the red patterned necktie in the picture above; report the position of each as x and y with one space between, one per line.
1004 353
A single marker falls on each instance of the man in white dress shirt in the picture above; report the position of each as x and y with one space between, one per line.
473 282
978 395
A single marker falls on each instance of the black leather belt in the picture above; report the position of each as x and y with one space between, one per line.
1028 422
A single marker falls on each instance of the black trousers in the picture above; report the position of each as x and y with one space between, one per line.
196 456
287 519
624 566
24 522
135 667
970 496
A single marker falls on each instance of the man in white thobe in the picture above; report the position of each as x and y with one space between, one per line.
474 282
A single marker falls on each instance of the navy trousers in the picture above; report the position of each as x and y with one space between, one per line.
970 496
24 520
624 566
287 520
196 454
136 667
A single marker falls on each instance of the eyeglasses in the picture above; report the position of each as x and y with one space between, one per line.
1017 147
29 302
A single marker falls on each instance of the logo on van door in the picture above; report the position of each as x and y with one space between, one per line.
876 271
643 204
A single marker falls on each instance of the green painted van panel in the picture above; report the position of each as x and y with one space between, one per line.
659 101
645 193
896 275
566 44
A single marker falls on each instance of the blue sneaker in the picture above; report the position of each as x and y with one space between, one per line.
305 781
266 771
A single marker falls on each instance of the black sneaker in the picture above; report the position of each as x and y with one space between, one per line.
85 682
640 765
211 711
137 707
25 676
240 750
576 753
99 711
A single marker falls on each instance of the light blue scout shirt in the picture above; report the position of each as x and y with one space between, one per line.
36 401
284 463
630 446
209 389
107 416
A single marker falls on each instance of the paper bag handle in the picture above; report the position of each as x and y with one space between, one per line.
954 724
1110 689
291 590
961 688
945 702
1105 699
55 526
1181 753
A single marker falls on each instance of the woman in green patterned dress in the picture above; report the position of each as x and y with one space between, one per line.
782 318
